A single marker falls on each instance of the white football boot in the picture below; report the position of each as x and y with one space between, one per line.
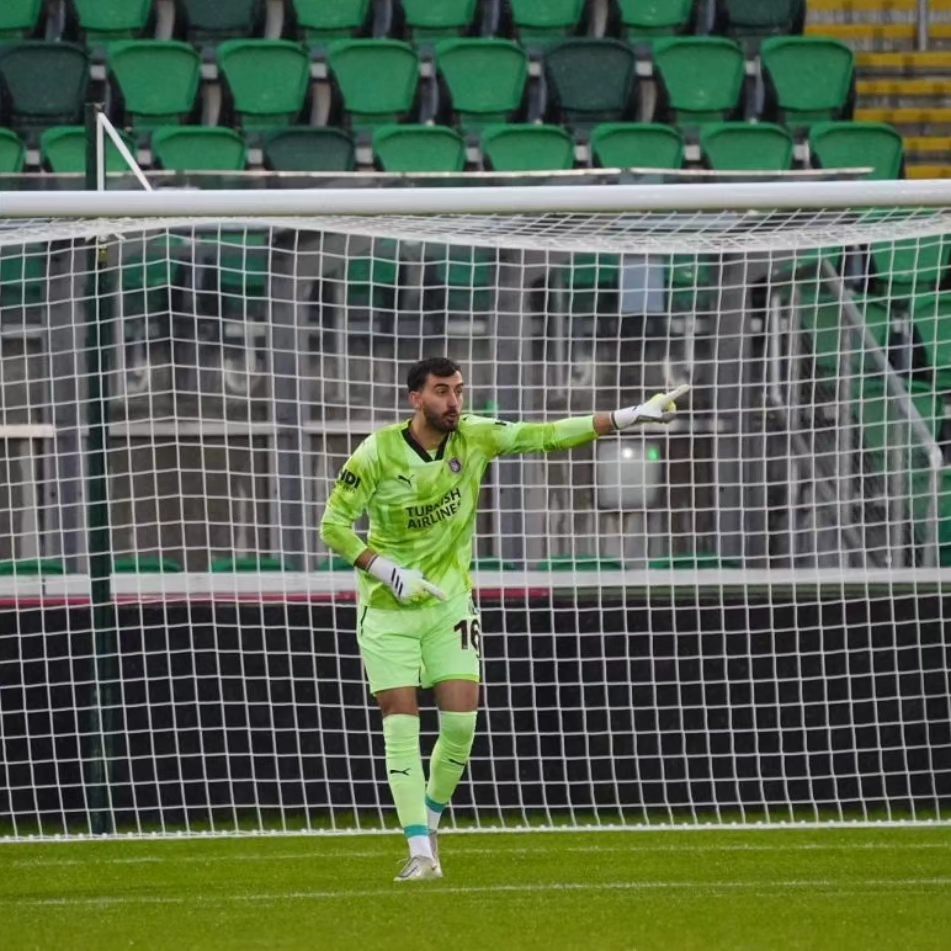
418 868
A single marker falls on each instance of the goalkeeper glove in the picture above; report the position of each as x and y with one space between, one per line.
658 409
407 584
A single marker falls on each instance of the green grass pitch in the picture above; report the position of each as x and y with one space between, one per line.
788 888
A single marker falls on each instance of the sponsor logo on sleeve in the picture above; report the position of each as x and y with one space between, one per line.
348 480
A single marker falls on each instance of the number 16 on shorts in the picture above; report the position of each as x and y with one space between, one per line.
469 634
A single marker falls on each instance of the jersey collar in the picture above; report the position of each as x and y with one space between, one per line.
418 449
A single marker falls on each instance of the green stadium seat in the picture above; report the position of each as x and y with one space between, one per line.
580 563
637 145
32 566
931 319
485 79
539 23
151 269
376 80
756 19
20 19
747 146
211 21
156 81
42 84
701 79
592 81
428 20
492 564
527 148
911 267
320 21
63 150
12 152
306 149
858 145
102 21
808 79
22 278
199 149
146 564
251 563
267 81
419 148
372 278
648 19
464 280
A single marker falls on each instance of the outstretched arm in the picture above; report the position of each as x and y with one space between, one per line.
658 409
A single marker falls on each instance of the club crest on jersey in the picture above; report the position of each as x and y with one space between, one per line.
455 465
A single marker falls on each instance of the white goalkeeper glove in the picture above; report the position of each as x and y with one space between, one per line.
658 409
407 584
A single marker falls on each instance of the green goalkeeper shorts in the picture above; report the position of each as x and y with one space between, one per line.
420 646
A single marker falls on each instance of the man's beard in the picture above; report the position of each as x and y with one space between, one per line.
439 422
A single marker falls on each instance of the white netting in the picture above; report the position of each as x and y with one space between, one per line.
743 616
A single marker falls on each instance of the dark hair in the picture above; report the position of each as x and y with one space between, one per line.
437 366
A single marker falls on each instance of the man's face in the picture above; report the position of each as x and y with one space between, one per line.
440 401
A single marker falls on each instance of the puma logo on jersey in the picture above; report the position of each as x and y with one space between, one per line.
405 479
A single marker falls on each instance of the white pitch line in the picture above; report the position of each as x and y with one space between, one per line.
462 850
850 887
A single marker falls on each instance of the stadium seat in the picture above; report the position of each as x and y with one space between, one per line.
747 146
591 81
640 20
151 269
527 148
32 566
267 81
63 150
637 145
42 84
756 19
373 278
12 152
106 20
931 319
20 19
858 145
306 149
539 23
911 267
319 21
156 82
376 81
701 79
485 79
146 564
198 149
251 563
23 278
419 148
426 20
808 80
211 21
463 280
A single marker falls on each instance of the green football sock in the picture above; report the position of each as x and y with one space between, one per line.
450 755
404 771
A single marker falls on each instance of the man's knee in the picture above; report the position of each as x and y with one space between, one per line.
401 700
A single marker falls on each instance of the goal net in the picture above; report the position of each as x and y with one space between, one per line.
740 618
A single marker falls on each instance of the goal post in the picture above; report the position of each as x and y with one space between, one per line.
739 618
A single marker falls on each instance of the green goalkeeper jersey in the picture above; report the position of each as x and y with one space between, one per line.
422 506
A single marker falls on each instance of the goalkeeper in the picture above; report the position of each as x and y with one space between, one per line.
416 621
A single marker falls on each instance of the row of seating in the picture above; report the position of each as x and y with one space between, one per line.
532 22
476 82
729 146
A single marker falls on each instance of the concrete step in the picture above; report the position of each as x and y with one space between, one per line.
910 121
909 63
928 171
871 10
882 36
898 93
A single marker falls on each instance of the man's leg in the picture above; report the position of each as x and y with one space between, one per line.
458 702
404 765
